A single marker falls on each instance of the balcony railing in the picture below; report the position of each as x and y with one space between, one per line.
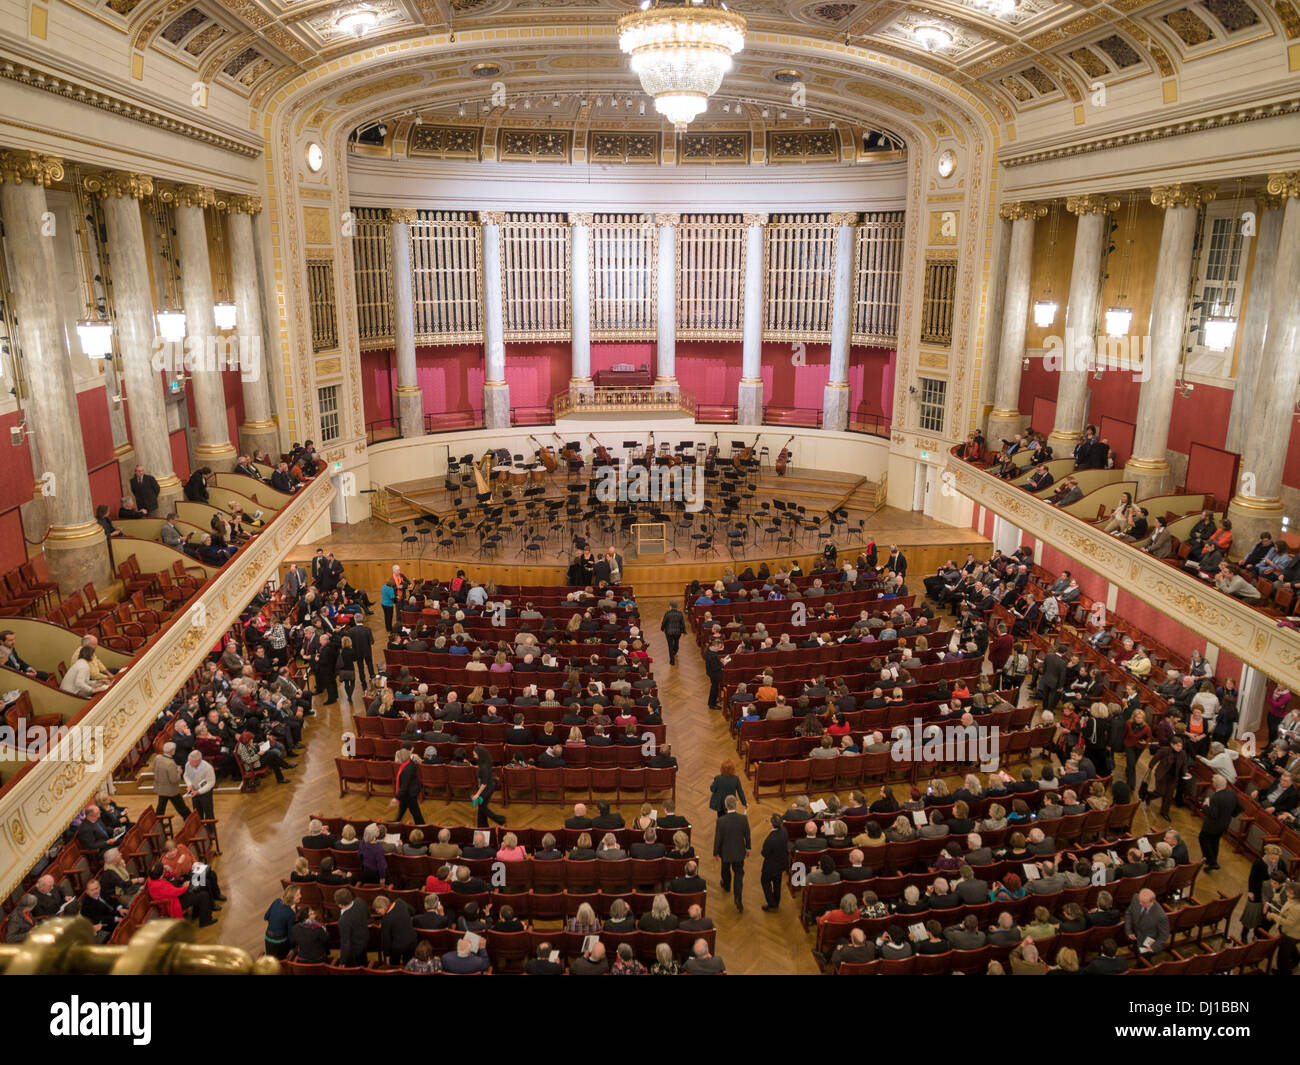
624 400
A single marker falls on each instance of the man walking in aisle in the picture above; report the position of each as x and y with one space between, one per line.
673 627
731 846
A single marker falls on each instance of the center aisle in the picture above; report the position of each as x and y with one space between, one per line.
260 832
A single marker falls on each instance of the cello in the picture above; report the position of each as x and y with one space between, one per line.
650 451
601 452
783 459
711 456
545 455
742 457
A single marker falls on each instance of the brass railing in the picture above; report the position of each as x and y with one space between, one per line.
616 400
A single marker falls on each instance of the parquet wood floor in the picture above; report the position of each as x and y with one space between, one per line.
260 832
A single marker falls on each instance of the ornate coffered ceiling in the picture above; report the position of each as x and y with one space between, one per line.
1013 54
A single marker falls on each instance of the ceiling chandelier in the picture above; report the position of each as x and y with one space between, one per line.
358 22
681 51
932 37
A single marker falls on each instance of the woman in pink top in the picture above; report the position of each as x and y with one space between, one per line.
501 665
510 850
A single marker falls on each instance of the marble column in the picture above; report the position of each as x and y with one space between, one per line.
1254 323
835 404
258 432
1005 420
213 448
410 397
496 393
749 401
1090 240
1257 506
128 262
1149 464
580 302
995 295
75 549
123 451
666 304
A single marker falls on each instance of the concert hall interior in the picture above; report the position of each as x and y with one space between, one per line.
915 367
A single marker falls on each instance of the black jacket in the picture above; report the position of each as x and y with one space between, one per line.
673 624
396 932
776 851
408 783
145 489
731 840
312 943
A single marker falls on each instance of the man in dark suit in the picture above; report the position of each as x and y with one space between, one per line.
363 646
542 964
579 820
607 818
92 834
396 931
689 883
858 949
1220 808
1147 923
145 489
649 849
1107 964
776 857
354 928
1051 678
713 669
673 626
1177 847
317 838
731 845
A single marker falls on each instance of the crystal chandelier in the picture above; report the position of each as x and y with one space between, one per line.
681 52
358 23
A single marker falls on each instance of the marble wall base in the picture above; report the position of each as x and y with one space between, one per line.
1003 427
410 412
1250 517
1150 482
496 406
220 458
254 439
835 408
79 561
749 403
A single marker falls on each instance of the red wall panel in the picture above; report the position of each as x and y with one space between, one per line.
711 371
871 381
378 382
535 372
451 377
639 353
180 454
13 551
787 384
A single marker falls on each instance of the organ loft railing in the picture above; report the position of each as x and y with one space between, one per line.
711 277
800 278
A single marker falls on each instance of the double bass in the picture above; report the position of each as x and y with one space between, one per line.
742 457
783 459
569 454
711 456
545 455
650 451
601 452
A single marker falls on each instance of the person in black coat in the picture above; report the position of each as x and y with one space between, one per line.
363 647
397 936
725 784
145 490
776 856
310 940
196 488
325 668
731 844
1220 808
354 928
673 627
407 788
713 668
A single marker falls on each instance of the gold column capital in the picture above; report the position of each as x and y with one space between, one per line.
1023 210
188 195
1181 195
36 167
237 203
581 218
1092 203
844 218
402 216
1266 201
491 218
668 218
119 183
756 218
1285 184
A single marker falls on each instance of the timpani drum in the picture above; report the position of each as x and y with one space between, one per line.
537 475
518 475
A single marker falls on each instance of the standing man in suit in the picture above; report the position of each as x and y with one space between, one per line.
363 649
318 567
354 928
145 489
1146 923
776 856
1051 679
713 669
1220 808
731 845
673 627
406 786
295 582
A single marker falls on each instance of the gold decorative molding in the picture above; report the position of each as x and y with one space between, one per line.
119 183
1181 195
582 218
236 203
36 167
35 810
668 218
1267 202
756 219
1285 185
1018 210
1242 631
1093 203
491 218
844 218
318 226
188 195
402 216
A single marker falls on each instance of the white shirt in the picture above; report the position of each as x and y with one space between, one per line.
77 680
202 777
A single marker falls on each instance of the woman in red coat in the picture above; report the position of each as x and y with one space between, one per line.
168 896
1137 734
